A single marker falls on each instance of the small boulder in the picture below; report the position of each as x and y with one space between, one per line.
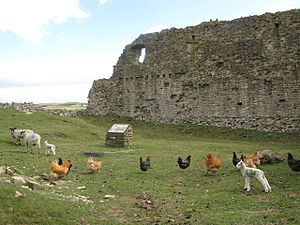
2 170
33 185
9 171
18 180
17 194
268 156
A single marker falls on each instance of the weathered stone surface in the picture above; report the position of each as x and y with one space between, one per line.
268 156
240 73
119 135
2 170
9 171
34 185
2 180
18 180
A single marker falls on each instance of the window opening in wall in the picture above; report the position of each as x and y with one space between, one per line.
142 55
240 103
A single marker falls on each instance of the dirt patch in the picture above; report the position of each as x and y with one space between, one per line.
144 201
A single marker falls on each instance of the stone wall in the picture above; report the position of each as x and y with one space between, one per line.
240 73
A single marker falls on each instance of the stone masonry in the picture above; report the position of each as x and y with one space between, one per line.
239 73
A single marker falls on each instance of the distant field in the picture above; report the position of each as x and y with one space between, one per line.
163 195
66 106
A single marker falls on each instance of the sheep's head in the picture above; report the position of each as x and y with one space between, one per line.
12 130
240 164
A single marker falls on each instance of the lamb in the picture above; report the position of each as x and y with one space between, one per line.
50 148
18 134
32 139
248 172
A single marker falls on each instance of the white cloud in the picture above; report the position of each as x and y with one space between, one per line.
47 93
28 18
64 69
282 5
60 79
102 2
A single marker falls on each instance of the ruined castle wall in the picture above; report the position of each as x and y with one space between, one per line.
240 73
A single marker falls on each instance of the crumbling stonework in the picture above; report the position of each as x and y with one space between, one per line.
240 73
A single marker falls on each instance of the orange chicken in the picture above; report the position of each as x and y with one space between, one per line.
212 163
248 161
93 165
255 159
58 170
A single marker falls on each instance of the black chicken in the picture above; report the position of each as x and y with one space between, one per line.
184 163
293 163
235 159
145 164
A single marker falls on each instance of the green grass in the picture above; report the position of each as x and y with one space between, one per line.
163 195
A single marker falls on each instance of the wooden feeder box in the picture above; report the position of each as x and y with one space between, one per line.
119 135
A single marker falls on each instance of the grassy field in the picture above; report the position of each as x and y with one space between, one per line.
163 195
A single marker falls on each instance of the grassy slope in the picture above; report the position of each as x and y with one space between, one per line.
163 195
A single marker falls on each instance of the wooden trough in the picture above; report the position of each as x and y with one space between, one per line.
119 135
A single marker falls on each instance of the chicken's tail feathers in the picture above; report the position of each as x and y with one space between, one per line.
60 161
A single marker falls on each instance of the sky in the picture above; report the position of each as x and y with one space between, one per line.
51 51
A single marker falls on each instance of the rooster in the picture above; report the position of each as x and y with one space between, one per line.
212 163
145 164
184 163
248 161
255 159
235 159
293 163
60 169
93 165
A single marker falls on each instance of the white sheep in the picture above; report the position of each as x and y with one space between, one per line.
50 148
248 172
18 134
32 139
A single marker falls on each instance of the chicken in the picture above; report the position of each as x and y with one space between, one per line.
145 165
58 170
255 159
93 165
212 163
248 161
293 163
184 163
235 159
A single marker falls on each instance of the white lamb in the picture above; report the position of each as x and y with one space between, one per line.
18 134
32 139
248 172
50 148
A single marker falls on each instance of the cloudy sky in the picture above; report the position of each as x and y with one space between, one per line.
53 50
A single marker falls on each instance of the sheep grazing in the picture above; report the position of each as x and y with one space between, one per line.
248 172
32 139
18 134
50 148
